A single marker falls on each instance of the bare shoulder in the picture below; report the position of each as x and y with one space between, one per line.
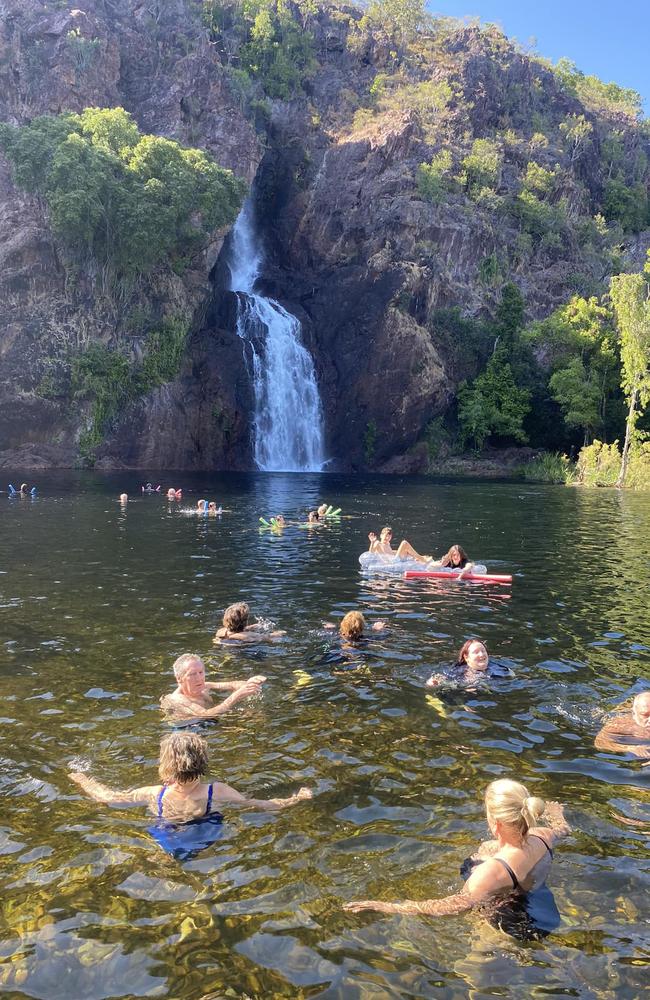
488 877
173 698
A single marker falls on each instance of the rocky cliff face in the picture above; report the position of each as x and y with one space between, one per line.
355 250
155 61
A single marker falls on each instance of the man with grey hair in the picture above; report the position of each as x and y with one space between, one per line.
630 731
192 699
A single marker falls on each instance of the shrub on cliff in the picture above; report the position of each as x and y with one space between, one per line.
109 380
129 200
273 41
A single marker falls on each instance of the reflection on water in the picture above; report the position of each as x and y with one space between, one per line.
97 601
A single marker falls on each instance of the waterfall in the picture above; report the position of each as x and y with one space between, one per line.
288 418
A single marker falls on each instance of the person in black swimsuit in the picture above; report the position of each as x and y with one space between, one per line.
509 869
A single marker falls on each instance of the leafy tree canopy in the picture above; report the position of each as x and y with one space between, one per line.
493 405
130 200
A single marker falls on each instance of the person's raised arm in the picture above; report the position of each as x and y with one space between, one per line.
224 793
555 821
233 685
250 687
620 727
111 796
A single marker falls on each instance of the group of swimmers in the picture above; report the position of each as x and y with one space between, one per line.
24 491
456 558
505 876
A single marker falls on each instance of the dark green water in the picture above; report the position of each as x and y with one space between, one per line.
95 604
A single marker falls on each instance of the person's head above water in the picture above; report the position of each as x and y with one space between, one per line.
386 534
124 497
473 654
641 710
322 510
510 810
202 504
189 671
312 516
183 758
352 625
456 557
235 617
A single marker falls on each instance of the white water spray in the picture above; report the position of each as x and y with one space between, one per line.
288 419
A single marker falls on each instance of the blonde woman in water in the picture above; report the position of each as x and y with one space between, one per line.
511 869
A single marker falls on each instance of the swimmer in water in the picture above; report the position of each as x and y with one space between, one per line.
322 510
382 546
213 509
235 626
124 498
455 558
313 517
182 796
352 626
471 665
630 731
511 868
192 698
202 506
173 494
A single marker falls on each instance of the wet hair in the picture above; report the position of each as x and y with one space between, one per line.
313 515
384 530
464 650
183 664
323 508
455 550
352 625
509 802
183 758
235 617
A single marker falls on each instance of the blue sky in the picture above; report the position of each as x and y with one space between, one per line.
609 39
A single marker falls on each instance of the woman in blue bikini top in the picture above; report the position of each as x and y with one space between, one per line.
183 796
516 862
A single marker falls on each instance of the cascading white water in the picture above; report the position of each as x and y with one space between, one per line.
288 419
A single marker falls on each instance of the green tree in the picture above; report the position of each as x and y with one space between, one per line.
627 205
482 166
630 295
130 201
434 178
578 343
400 19
493 405
509 316
578 396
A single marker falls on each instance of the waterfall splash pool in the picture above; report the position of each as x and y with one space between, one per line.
96 602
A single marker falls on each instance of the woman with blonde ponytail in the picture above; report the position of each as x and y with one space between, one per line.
506 875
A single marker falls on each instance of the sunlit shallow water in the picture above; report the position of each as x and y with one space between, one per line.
95 604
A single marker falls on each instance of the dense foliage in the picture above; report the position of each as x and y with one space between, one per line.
129 201
270 40
109 380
